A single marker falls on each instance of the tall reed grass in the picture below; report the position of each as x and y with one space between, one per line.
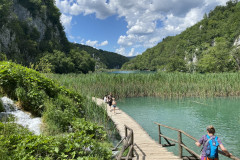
166 85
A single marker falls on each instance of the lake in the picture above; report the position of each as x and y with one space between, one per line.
191 115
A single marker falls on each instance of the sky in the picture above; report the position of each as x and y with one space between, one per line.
129 27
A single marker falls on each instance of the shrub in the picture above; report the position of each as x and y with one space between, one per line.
18 143
61 109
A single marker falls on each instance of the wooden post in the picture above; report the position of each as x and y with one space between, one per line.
132 141
159 136
179 144
125 131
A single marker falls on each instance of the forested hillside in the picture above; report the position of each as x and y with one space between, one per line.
104 59
31 34
211 45
29 28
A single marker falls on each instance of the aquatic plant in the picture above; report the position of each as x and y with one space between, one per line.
161 84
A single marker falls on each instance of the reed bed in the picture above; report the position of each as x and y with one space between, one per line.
166 85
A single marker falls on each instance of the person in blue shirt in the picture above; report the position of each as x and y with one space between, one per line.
204 139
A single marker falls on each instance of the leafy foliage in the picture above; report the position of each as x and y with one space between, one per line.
205 47
3 57
75 61
4 11
18 143
217 59
61 110
26 85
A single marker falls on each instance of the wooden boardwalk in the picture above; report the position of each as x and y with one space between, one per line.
145 147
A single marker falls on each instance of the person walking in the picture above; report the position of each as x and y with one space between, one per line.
114 104
110 100
210 144
105 99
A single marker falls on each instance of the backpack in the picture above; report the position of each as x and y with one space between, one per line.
212 147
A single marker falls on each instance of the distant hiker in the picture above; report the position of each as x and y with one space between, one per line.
105 99
114 104
110 100
210 145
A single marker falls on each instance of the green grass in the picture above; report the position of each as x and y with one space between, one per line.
166 85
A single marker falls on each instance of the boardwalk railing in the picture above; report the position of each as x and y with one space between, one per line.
181 145
127 144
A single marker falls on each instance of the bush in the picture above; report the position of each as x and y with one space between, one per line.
27 86
62 112
3 57
18 143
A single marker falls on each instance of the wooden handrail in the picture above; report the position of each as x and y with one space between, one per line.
180 143
128 143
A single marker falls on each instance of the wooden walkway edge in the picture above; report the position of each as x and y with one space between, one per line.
145 147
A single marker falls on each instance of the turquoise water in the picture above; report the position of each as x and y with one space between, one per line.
191 115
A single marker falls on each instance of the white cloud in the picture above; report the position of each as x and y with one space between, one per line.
66 21
95 43
99 7
104 43
123 51
148 21
131 53
91 43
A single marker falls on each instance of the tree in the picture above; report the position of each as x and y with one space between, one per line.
4 11
217 58
61 63
82 61
176 64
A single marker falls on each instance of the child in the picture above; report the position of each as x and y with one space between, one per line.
114 104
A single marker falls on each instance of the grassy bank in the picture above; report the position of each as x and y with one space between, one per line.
168 85
60 109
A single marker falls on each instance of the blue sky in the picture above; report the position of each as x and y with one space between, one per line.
129 27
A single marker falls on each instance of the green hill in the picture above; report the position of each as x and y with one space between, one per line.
211 45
